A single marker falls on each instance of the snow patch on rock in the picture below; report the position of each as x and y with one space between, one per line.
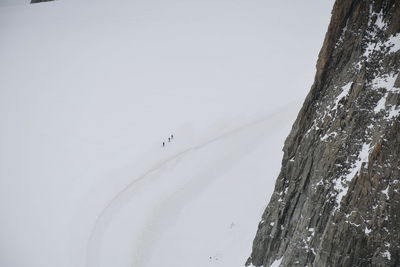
344 93
341 184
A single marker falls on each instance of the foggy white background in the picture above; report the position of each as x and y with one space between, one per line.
89 90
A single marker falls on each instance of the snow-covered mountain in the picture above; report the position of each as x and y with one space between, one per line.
91 89
337 200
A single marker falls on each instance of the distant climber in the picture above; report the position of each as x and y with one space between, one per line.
169 139
172 136
163 144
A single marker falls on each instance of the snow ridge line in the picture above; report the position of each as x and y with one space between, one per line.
115 200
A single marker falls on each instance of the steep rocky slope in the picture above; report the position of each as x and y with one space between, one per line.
337 198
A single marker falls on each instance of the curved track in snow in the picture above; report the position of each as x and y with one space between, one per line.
123 197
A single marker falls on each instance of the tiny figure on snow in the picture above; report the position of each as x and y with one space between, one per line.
172 136
169 139
163 144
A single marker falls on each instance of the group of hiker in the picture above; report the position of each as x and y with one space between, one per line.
169 140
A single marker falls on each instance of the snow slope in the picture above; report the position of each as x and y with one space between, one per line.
90 89
197 206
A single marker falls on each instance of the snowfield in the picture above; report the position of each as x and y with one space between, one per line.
89 91
200 203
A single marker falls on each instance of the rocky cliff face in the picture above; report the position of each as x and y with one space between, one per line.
337 198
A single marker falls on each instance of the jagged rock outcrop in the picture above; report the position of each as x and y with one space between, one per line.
39 1
337 198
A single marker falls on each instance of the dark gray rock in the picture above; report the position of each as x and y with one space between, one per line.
40 1
337 198
397 82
